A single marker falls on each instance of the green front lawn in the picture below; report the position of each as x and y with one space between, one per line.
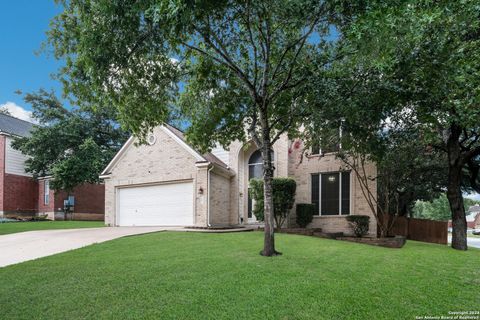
14 227
180 275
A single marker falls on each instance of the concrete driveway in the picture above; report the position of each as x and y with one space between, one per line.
24 246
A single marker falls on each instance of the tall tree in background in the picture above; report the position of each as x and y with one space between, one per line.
244 66
72 146
438 208
362 113
426 54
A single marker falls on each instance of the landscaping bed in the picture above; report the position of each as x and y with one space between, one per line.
389 242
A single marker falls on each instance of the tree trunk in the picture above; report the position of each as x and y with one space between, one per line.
269 241
459 221
383 225
454 191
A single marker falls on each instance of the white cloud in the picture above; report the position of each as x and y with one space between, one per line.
473 196
18 111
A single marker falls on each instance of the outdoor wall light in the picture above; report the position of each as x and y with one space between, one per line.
331 178
200 191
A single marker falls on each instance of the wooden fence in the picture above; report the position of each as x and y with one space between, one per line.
421 229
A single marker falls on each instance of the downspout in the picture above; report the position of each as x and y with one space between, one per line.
208 196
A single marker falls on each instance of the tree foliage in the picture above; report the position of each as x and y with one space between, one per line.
236 69
438 208
418 63
304 214
71 145
283 198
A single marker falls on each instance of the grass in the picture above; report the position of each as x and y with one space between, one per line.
14 227
171 275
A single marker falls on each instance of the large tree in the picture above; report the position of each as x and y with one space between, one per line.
237 69
71 145
363 114
427 54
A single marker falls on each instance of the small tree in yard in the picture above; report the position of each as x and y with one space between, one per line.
71 145
283 198
243 65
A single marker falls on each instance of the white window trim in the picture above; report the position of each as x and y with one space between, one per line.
46 192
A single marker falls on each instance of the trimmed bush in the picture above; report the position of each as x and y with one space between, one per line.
305 213
359 224
283 198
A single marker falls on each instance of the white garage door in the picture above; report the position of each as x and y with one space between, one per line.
159 205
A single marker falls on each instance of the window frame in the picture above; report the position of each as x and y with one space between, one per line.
340 193
46 192
319 145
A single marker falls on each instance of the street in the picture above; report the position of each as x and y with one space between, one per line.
471 241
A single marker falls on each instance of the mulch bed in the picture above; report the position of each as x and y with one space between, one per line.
389 242
215 228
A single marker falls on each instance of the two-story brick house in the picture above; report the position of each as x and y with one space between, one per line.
22 195
167 182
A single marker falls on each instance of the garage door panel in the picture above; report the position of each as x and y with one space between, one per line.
158 205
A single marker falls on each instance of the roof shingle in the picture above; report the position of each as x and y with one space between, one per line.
14 126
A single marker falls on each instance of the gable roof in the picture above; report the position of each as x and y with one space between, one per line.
176 134
15 126
210 157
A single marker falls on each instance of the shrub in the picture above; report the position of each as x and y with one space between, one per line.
359 224
305 213
283 198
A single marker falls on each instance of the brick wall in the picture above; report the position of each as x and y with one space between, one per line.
89 200
301 167
19 195
45 209
220 200
2 171
239 153
164 161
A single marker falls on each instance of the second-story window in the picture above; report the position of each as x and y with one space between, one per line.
327 145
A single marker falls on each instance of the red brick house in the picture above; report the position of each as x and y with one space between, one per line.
22 195
475 210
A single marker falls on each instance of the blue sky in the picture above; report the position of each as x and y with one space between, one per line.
23 24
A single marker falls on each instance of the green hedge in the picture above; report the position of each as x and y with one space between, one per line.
283 198
305 212
360 224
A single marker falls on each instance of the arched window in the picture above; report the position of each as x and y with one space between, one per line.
255 165
256 157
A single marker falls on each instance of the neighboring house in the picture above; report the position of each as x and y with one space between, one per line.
472 216
166 182
22 195
475 211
